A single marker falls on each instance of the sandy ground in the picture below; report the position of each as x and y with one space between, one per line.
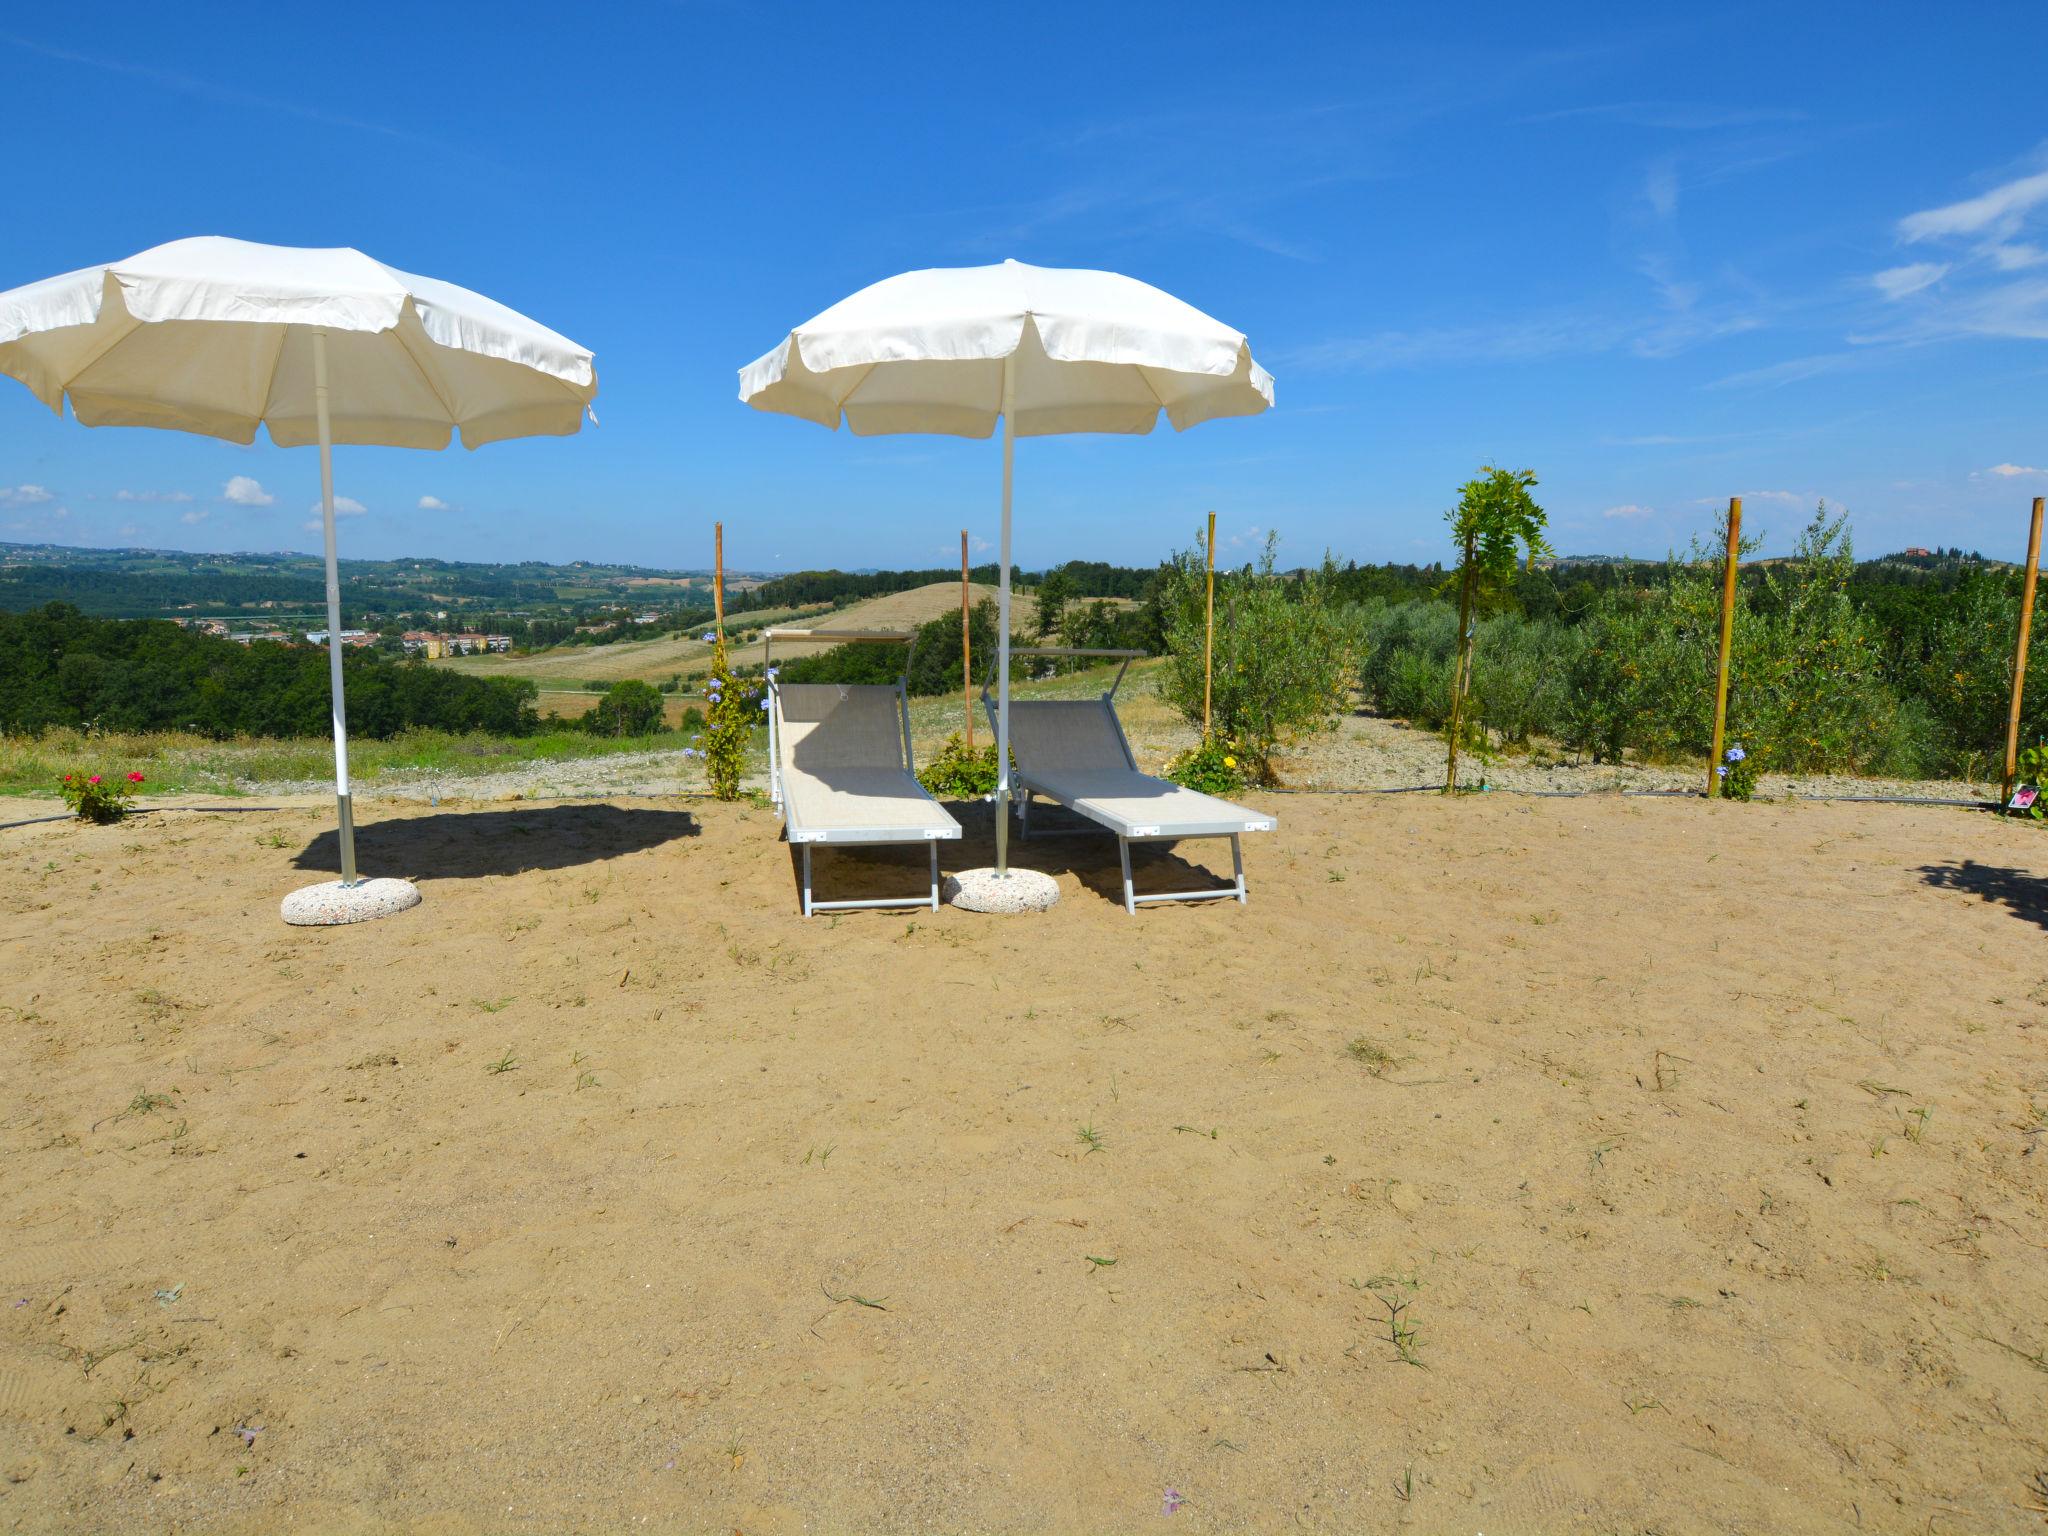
1507 1165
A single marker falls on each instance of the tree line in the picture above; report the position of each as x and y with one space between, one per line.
62 667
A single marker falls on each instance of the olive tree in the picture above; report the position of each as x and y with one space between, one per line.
1285 651
1495 525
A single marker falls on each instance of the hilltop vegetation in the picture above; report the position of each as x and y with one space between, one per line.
62 668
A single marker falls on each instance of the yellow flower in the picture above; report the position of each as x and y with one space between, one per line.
1230 762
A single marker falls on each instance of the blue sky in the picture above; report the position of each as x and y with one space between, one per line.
1660 257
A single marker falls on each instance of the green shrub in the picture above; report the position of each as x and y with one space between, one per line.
1284 657
1211 767
98 797
734 708
954 773
1738 771
629 708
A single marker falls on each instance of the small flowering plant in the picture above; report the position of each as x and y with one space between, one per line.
2027 789
1213 768
734 708
97 797
1738 772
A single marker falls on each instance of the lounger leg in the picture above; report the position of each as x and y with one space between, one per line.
935 875
1123 848
1024 814
807 879
1237 862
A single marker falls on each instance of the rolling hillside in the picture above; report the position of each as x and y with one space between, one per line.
567 668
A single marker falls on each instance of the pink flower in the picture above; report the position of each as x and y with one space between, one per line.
134 778
94 779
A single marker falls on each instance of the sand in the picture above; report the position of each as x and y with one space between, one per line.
558 1203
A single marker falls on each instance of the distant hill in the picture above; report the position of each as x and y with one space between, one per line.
155 583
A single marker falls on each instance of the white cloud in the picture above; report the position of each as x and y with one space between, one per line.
344 506
1994 237
174 497
1630 510
2010 470
1900 282
1999 212
197 515
433 504
24 495
244 491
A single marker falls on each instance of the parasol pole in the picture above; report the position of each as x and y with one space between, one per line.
966 645
1003 626
344 812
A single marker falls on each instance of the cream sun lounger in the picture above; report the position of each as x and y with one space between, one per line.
1074 753
840 767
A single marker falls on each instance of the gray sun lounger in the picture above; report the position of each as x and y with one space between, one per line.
1074 753
840 768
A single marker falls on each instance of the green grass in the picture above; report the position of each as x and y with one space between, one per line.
178 763
181 763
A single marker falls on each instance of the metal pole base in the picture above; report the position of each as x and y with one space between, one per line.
1002 831
345 813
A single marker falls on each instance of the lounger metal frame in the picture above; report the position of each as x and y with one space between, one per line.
806 838
1164 832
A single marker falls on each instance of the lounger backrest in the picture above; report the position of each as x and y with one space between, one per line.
822 726
1066 735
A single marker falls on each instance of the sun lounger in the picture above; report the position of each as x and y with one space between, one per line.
840 768
1074 753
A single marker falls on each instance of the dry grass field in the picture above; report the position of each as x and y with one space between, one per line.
1508 1165
655 661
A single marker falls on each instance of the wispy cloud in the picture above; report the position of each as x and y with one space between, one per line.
2011 471
25 495
1630 512
433 504
1976 290
196 516
1679 117
173 497
1998 213
1897 283
245 491
225 95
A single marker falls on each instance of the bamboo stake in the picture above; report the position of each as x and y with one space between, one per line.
718 579
966 646
1209 631
2019 657
1727 643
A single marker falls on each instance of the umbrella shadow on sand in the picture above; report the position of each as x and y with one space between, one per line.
463 845
2022 894
1064 843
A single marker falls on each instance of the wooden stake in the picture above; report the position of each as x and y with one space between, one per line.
1727 643
718 578
1209 631
966 646
2019 656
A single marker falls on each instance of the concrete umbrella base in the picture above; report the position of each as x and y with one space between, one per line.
332 902
1021 890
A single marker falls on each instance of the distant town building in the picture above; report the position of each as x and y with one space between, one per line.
1916 550
353 637
424 642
